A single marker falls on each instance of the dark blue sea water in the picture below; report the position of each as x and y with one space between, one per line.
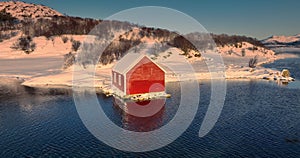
259 119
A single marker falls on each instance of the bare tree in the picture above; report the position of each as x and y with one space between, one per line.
75 45
26 44
253 62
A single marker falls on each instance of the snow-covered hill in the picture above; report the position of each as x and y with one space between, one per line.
21 10
282 41
245 49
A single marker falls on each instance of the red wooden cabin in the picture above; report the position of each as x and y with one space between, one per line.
137 74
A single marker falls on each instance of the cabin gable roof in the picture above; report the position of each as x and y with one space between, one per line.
129 61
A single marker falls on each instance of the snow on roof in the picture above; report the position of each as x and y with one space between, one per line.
129 61
164 67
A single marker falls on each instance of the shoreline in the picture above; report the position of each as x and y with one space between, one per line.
17 88
63 80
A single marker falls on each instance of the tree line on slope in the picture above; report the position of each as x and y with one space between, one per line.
60 25
224 39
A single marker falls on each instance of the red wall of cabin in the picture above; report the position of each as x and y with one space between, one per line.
144 75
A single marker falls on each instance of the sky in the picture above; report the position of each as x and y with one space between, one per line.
255 18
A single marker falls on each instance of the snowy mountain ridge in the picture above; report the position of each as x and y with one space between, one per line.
282 41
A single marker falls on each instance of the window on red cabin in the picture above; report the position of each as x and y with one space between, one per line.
115 77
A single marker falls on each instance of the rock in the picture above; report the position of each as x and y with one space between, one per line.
285 73
266 72
266 78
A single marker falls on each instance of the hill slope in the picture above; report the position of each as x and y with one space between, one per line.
282 41
36 25
21 10
55 36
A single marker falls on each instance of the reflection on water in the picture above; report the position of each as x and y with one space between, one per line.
290 85
294 85
140 124
141 108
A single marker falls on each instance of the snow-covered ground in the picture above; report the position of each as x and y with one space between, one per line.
43 67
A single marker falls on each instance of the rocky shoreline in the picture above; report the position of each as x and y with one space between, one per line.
14 86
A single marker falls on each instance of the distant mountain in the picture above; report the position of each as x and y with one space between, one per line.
21 10
282 42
